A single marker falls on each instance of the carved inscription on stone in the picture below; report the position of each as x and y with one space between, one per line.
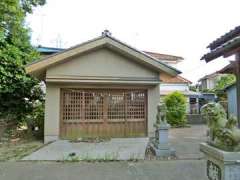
213 171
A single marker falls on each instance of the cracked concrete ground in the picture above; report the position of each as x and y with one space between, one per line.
116 148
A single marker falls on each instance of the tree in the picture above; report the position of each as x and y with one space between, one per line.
27 5
18 91
193 88
225 81
176 108
221 84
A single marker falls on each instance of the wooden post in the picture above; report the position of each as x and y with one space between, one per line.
238 86
125 113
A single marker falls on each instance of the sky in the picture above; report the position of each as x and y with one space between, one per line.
177 27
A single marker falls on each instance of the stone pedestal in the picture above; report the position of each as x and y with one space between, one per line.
161 144
221 165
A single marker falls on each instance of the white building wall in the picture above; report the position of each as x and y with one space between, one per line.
210 83
174 87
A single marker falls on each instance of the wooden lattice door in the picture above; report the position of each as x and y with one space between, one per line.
103 113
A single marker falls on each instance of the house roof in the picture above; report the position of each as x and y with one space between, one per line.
175 79
105 40
182 79
225 38
229 69
48 49
223 45
212 75
186 93
164 57
161 57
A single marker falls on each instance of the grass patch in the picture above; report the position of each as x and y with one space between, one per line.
14 152
182 126
90 139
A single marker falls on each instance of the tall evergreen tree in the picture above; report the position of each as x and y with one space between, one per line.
18 91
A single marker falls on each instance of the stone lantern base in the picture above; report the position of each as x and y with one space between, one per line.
164 152
161 145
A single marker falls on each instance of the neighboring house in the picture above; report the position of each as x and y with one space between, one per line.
230 90
168 59
170 83
178 83
226 46
102 87
209 82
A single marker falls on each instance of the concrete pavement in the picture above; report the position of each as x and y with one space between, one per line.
116 148
186 141
143 170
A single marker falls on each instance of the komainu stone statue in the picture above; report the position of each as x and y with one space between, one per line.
161 116
161 144
223 133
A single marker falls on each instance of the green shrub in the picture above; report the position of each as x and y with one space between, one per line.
176 109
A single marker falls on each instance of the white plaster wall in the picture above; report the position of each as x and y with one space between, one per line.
52 113
102 63
210 84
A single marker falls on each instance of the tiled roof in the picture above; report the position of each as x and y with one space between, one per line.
223 49
226 37
165 57
209 76
221 46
